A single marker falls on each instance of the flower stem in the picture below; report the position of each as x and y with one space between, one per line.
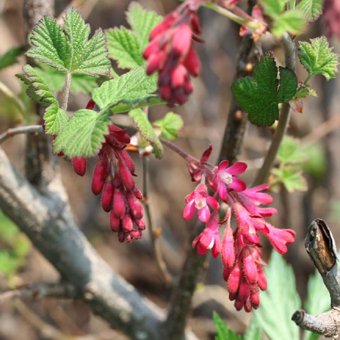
179 151
162 268
225 12
263 174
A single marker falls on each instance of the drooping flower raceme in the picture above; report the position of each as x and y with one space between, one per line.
239 247
113 179
171 52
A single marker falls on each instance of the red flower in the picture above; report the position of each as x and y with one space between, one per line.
200 200
209 238
225 179
171 53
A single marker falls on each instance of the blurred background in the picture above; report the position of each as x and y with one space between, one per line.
317 135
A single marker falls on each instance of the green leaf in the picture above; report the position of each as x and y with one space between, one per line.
127 46
291 21
311 9
273 8
37 89
56 80
147 131
124 48
10 57
279 301
291 177
49 44
317 58
142 22
55 119
253 331
170 125
130 88
288 85
291 152
223 332
318 300
69 49
83 135
260 95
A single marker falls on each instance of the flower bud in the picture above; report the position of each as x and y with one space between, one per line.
107 196
99 174
118 207
234 279
135 206
79 165
125 176
127 224
114 222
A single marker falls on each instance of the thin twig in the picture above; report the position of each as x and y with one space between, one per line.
40 290
162 268
322 130
179 151
290 54
21 130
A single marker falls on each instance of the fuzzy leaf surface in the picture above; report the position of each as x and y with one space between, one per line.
68 48
278 302
260 95
146 130
318 58
142 21
126 46
311 9
83 135
131 88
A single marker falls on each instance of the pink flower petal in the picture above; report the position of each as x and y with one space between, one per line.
189 210
237 168
204 214
213 203
222 190
223 165
237 184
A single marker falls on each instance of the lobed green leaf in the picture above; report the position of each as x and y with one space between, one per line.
311 9
83 135
124 48
260 95
68 48
131 88
318 58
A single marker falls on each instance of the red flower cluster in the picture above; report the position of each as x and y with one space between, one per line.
240 249
171 53
113 178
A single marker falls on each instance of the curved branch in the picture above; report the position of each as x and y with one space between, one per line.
320 246
48 222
